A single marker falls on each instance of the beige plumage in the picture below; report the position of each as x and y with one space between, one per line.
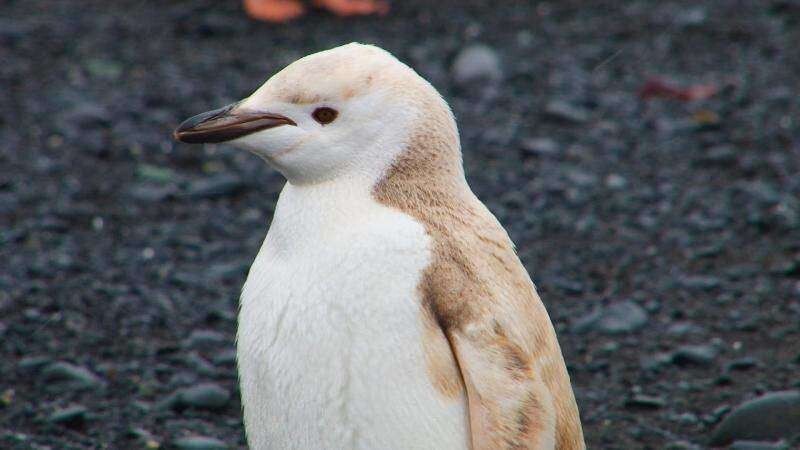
480 304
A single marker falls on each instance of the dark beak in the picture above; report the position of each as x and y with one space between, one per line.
227 123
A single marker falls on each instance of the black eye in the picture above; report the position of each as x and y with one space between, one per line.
324 115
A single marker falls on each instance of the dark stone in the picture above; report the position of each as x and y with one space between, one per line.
151 193
698 355
640 401
700 282
199 443
79 376
566 112
202 396
33 362
771 417
221 185
228 270
88 115
72 416
742 364
225 358
205 339
758 445
540 147
616 318
719 156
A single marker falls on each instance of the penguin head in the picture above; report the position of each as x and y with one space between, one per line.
348 111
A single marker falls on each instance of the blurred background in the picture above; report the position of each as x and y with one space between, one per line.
644 156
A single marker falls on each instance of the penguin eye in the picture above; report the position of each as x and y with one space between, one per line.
324 115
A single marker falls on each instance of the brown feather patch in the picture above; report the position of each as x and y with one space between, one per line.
480 296
441 364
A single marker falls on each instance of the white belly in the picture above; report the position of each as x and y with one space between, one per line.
330 344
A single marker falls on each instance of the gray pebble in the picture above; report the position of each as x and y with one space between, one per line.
681 445
617 318
684 329
64 371
221 185
476 63
641 401
719 156
691 17
205 339
225 358
773 416
700 282
33 362
699 355
203 396
74 415
228 270
151 193
616 181
540 146
742 364
758 445
87 115
199 443
567 112
580 177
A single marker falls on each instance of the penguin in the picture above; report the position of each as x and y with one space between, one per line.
386 308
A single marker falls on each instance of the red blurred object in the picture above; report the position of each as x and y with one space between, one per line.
279 11
660 88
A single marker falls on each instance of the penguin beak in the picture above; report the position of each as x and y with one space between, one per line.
226 124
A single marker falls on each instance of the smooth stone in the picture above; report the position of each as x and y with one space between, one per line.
225 358
722 156
699 355
205 339
773 416
199 364
691 16
221 185
203 396
199 443
87 115
476 63
155 174
228 270
684 329
151 193
700 282
33 362
616 181
71 416
616 318
580 178
641 401
63 371
540 146
567 112
145 438
681 445
758 445
742 363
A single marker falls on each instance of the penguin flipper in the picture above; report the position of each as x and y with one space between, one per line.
509 407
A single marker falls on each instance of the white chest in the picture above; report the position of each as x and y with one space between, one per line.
330 338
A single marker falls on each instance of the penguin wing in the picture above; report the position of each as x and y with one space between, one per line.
504 344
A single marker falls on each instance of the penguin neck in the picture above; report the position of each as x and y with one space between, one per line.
428 175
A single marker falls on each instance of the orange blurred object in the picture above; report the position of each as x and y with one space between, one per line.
286 10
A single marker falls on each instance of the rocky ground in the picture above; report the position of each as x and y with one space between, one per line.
661 224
